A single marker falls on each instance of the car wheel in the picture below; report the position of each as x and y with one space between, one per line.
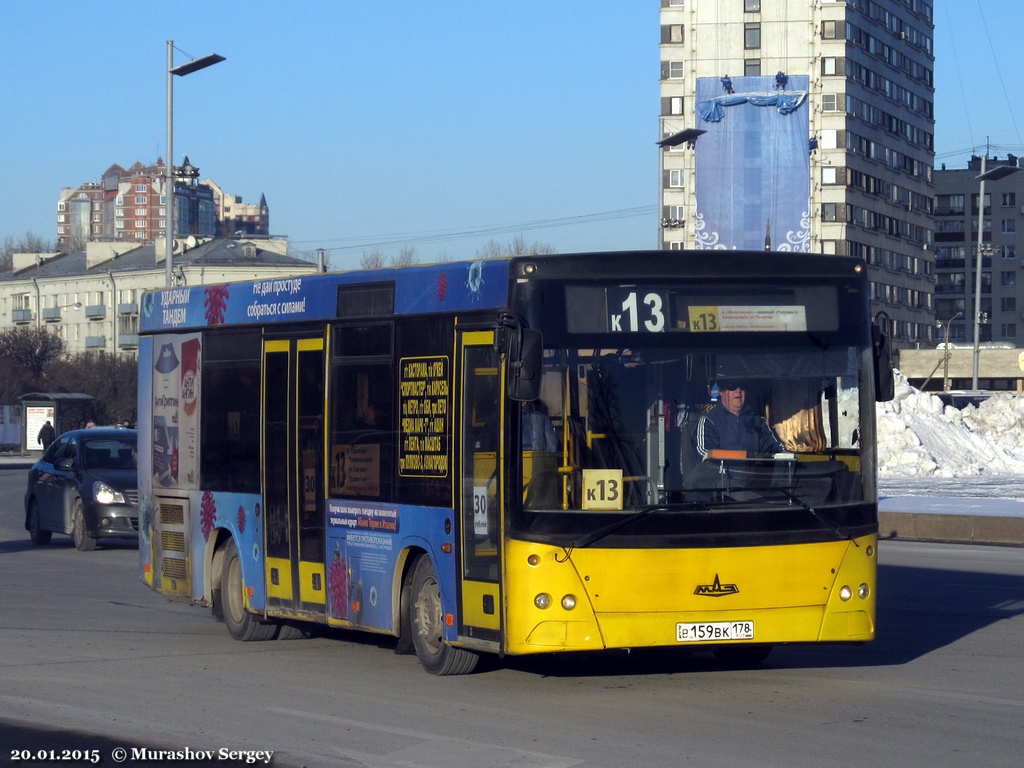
241 624
84 541
35 531
427 623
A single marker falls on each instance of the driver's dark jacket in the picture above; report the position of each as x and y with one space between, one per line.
719 428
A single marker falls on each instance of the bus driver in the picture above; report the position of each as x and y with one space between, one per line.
732 425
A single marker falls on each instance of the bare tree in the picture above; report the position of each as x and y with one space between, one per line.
34 349
515 247
406 257
372 259
27 243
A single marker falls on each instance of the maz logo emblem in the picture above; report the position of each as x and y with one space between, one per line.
718 589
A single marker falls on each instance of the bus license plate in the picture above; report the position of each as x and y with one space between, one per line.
714 631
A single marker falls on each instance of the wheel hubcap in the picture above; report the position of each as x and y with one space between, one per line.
428 615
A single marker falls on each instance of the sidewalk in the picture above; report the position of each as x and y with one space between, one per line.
967 520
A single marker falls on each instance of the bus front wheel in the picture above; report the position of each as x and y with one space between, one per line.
427 623
241 624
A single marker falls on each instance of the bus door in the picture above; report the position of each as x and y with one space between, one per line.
293 466
482 473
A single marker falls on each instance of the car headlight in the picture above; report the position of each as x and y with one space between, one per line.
104 494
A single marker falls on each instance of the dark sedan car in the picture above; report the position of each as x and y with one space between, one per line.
86 485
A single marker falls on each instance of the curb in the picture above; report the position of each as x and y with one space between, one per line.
962 529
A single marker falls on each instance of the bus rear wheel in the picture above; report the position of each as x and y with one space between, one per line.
426 620
241 624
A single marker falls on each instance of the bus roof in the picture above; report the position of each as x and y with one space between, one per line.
452 286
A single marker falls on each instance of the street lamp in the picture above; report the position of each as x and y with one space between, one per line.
181 70
945 360
999 172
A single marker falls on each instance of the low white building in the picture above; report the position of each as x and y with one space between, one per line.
91 298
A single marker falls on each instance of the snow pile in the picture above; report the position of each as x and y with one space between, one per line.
918 436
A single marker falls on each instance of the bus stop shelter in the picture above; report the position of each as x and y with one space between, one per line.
65 410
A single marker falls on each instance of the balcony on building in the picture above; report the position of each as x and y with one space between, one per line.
21 316
129 308
95 311
51 315
128 341
95 342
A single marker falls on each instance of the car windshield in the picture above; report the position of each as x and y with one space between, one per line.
109 454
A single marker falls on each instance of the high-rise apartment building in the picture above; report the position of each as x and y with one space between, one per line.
131 204
956 251
804 125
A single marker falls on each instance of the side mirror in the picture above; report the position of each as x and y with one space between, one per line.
65 464
525 358
885 383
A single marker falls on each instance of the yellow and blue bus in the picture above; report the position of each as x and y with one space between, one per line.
499 456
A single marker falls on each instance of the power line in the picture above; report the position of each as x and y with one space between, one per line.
360 242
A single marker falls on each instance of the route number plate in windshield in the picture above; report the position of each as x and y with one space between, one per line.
710 631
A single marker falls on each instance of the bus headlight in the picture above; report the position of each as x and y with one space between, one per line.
845 593
542 601
569 602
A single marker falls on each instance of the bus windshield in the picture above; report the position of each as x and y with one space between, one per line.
738 436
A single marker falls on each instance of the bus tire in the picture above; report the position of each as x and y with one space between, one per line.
35 530
241 624
83 541
426 621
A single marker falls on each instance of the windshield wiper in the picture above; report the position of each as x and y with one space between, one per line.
589 538
834 527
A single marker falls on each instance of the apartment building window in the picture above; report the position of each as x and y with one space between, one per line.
830 30
751 6
119 200
1008 330
1009 226
829 102
752 35
118 225
675 245
829 65
140 187
1007 278
751 67
675 3
1008 304
672 105
1008 200
675 178
140 200
140 211
672 33
676 69
140 223
833 212
97 206
1008 251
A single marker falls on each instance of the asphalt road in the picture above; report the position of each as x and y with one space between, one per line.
92 660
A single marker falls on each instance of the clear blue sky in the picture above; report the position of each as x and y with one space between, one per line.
369 123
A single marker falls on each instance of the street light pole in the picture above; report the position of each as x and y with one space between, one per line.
945 362
977 275
999 172
181 70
